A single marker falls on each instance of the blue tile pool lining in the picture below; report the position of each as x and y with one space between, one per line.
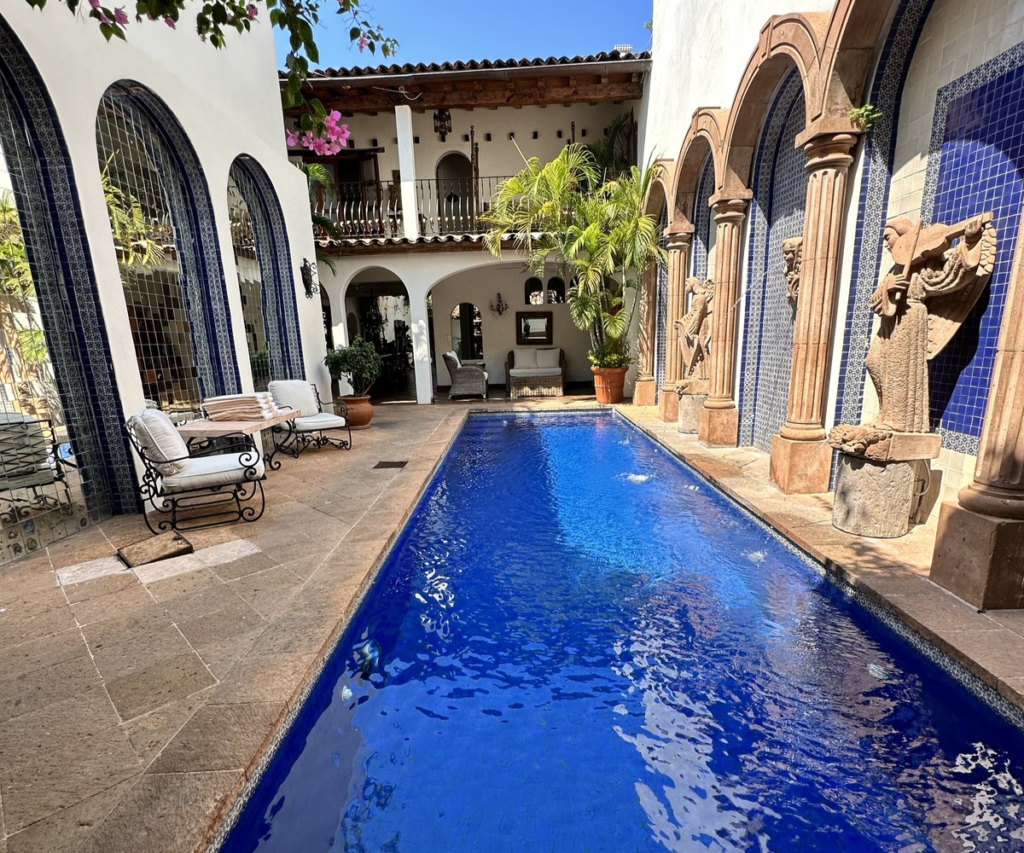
956 670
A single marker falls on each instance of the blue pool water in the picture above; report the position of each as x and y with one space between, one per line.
578 645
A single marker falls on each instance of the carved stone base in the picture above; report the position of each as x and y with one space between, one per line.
690 406
800 467
980 558
719 427
668 404
877 499
644 392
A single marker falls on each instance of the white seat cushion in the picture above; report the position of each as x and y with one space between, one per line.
486 376
525 358
534 371
205 472
324 420
548 357
294 394
161 441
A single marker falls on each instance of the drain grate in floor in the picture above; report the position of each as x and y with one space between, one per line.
401 464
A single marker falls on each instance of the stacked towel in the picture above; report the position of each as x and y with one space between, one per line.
241 407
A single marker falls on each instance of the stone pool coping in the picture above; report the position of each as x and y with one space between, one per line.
891 574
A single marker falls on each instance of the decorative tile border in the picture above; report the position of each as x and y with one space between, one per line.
702 220
661 312
280 312
69 303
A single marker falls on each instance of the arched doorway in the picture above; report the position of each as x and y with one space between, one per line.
64 460
263 262
169 258
376 303
454 193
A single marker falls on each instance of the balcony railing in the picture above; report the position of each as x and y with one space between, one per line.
454 205
374 209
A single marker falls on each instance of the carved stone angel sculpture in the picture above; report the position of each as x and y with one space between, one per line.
934 283
694 329
793 252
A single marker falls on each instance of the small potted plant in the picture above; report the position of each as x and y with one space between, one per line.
360 365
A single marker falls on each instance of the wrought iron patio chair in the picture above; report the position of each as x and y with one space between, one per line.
467 379
313 425
28 466
220 483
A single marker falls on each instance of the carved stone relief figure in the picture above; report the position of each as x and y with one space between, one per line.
694 329
793 251
933 284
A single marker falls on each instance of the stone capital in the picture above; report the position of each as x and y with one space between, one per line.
829 151
730 209
678 241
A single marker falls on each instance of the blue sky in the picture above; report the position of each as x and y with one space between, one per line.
451 30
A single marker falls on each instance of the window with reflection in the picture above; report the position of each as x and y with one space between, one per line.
556 291
467 331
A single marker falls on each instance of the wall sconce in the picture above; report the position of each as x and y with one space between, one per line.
307 271
499 306
443 123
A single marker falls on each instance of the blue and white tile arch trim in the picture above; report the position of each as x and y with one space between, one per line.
777 213
280 312
873 204
702 220
201 267
661 312
976 163
76 335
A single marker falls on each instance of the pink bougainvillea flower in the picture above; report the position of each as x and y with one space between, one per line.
363 41
121 16
291 138
95 4
170 22
251 11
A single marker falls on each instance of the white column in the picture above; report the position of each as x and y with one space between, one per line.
420 331
407 169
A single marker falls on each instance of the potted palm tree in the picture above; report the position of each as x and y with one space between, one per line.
360 365
597 234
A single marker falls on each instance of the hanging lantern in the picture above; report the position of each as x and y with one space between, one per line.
442 123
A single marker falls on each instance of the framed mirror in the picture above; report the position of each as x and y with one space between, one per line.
533 327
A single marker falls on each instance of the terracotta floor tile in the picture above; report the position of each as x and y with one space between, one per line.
219 737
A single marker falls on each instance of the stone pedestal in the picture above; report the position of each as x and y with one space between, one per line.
690 406
643 392
800 467
877 499
980 558
719 427
668 404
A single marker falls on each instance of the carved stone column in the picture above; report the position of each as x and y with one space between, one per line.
720 419
678 245
979 550
644 390
800 457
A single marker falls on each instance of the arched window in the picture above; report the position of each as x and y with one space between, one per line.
467 331
556 291
534 291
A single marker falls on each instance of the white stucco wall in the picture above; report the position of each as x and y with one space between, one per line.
228 103
700 51
956 38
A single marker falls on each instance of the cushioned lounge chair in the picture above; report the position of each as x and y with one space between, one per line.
535 372
467 379
219 484
313 427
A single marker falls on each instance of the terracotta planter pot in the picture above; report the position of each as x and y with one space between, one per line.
360 412
608 383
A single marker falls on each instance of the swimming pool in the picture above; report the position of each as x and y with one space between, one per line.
579 645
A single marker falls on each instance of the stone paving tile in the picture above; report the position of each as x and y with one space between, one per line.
166 590
115 604
151 732
80 572
100 586
47 684
164 569
165 680
267 592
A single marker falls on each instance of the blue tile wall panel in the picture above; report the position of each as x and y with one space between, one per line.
702 220
777 213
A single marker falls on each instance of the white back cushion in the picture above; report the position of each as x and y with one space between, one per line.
454 356
548 357
295 394
161 441
525 358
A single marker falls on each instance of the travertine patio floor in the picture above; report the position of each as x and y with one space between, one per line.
134 705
